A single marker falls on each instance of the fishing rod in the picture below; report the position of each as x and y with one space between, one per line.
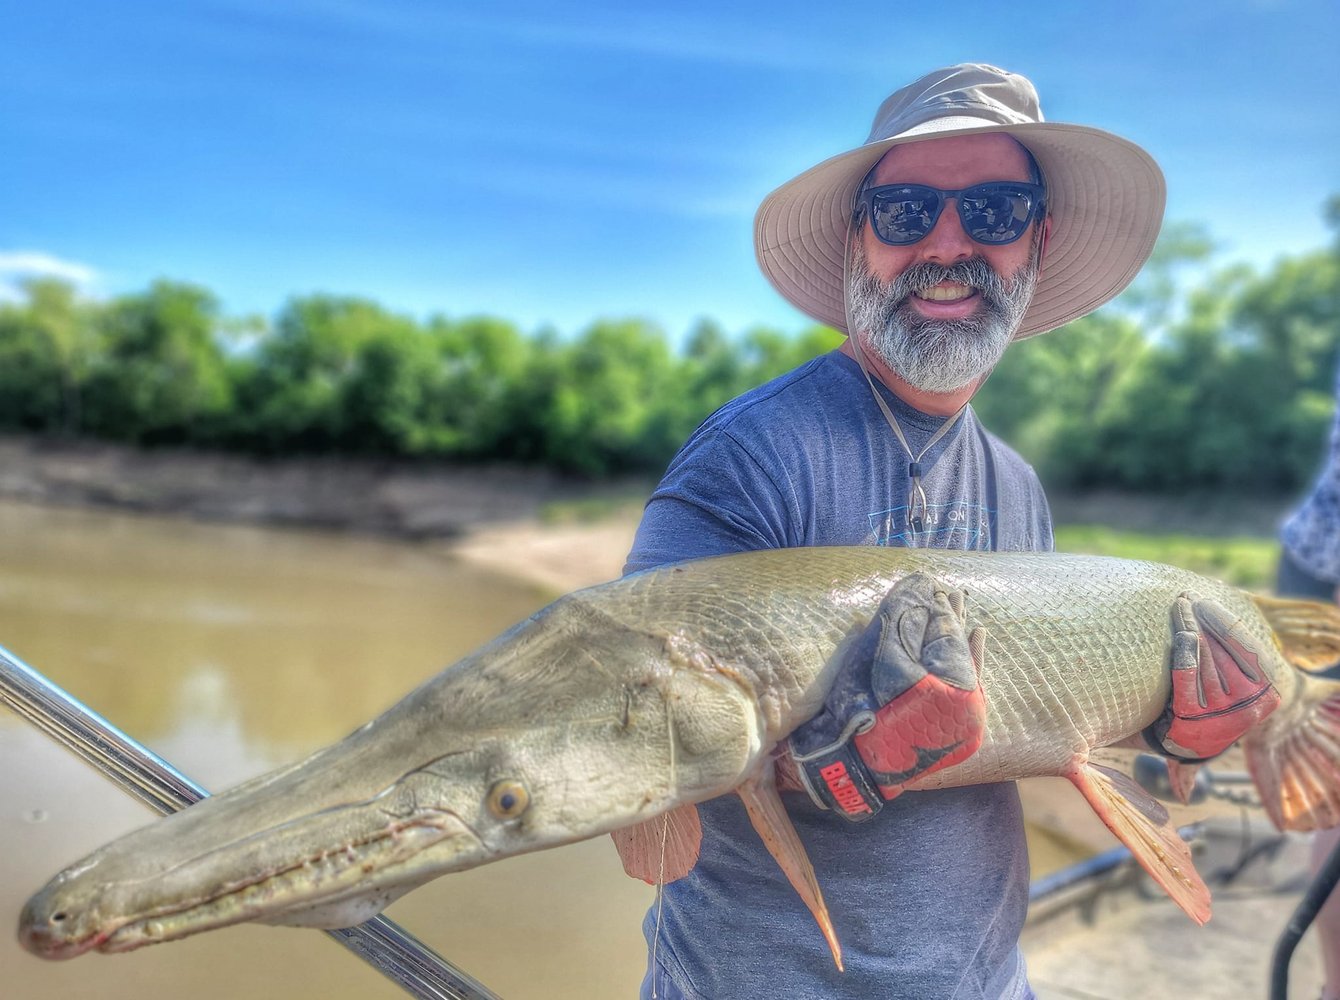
141 773
1318 891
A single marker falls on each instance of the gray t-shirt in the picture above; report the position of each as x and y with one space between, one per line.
929 897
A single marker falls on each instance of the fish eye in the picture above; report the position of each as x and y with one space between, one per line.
508 799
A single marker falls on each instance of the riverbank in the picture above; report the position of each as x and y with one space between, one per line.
555 532
559 533
399 499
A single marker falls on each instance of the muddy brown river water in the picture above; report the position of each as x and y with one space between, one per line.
229 650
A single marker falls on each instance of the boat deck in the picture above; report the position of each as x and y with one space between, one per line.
1118 936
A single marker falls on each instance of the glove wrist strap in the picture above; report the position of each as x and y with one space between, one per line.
837 778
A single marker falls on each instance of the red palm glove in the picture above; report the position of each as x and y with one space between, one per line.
906 702
1219 689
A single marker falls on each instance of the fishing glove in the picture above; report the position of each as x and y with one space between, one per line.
905 701
1219 689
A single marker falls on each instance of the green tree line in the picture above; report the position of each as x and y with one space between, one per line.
345 376
1226 384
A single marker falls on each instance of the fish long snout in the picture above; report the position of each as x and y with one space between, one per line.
335 866
49 930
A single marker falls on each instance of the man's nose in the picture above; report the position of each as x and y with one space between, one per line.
947 242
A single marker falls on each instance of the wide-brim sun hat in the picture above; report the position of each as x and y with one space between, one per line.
1105 197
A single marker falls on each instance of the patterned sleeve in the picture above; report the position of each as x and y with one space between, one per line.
1312 533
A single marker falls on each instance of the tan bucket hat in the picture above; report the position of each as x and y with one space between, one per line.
1105 197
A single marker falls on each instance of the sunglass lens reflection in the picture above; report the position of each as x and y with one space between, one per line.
906 219
997 217
990 214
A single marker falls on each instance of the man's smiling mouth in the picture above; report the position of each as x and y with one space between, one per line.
945 292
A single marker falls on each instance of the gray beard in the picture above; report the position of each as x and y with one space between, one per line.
938 355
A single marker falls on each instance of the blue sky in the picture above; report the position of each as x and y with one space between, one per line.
557 163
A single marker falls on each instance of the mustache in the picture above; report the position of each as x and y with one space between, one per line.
974 272
937 355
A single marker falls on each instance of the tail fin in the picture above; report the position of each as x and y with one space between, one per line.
1294 756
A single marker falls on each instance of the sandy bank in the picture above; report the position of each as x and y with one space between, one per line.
382 497
499 516
493 515
558 558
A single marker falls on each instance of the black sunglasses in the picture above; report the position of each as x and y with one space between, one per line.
994 213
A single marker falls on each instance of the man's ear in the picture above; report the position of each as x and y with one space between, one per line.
1046 235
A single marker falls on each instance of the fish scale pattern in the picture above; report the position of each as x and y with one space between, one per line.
1076 651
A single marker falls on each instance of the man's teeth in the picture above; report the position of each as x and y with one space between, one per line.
945 293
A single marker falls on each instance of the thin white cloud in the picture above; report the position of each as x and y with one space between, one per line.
661 34
35 264
16 266
699 35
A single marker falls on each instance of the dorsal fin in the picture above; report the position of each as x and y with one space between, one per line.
663 848
1308 631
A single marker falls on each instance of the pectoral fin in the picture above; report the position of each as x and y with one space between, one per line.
661 849
769 817
1143 825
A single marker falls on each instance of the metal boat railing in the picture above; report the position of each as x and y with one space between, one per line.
139 772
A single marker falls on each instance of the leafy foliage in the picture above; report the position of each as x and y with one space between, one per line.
157 374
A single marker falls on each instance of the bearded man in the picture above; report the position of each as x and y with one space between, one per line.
964 223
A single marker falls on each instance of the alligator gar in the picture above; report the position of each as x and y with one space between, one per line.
622 705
